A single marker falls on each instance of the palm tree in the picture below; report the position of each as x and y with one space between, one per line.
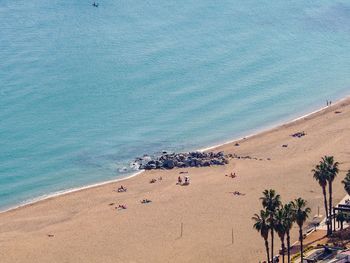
289 219
346 183
332 171
262 226
271 202
301 214
281 228
320 176
341 219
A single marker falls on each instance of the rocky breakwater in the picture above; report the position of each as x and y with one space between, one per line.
181 160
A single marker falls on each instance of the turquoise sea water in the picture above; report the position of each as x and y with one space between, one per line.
84 90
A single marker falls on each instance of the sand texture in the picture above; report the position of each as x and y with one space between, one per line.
84 227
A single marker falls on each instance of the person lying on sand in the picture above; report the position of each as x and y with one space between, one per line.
298 134
119 207
121 189
237 193
153 181
145 201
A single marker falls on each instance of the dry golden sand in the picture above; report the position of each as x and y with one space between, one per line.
87 229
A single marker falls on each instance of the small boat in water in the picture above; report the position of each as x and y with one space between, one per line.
95 4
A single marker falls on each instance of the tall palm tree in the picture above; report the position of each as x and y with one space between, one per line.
301 214
281 228
289 219
321 177
346 183
271 202
262 226
332 171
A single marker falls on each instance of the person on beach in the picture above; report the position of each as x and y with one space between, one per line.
187 180
121 189
179 180
237 193
145 201
233 175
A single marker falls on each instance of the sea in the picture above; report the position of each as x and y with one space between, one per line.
84 90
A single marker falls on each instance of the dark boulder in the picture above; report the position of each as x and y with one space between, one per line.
169 164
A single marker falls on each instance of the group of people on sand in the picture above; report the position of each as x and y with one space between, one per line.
124 189
123 206
232 175
121 189
180 181
153 180
120 207
185 181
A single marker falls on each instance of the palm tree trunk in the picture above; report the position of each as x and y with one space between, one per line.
301 243
267 250
330 206
325 206
272 238
288 246
283 248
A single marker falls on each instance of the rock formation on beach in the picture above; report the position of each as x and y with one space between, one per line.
181 160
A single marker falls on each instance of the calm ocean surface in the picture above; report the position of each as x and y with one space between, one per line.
84 90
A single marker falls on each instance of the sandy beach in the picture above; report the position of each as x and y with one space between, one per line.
84 227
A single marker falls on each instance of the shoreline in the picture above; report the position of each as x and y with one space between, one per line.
68 191
136 173
275 126
210 212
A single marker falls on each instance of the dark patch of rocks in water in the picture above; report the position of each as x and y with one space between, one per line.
181 160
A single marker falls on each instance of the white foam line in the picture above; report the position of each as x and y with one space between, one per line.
273 127
228 142
68 191
64 192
